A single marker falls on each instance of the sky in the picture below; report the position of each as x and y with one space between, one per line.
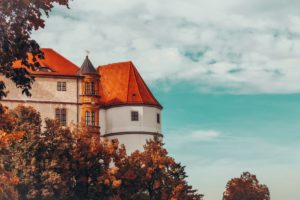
226 72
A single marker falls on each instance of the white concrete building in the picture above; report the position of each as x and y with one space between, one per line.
112 100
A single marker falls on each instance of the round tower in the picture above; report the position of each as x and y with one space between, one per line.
129 111
89 96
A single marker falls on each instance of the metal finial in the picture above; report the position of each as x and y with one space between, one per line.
87 52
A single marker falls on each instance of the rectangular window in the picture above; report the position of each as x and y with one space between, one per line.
61 116
158 118
61 86
57 114
92 88
93 119
87 118
58 86
134 116
87 88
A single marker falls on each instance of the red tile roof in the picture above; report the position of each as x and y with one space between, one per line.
58 64
120 84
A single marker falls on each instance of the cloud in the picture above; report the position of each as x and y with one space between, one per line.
210 163
241 47
185 136
204 135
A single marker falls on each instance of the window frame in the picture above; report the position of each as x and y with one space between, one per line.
92 88
57 114
61 116
134 116
87 88
58 86
87 118
158 118
61 86
93 119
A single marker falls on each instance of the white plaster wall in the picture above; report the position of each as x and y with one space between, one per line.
48 110
118 120
44 89
102 121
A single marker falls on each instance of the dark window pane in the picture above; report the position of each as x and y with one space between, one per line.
93 88
58 86
63 117
134 116
87 118
64 86
87 88
93 118
158 118
57 114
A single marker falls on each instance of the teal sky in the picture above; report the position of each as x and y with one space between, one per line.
256 133
226 72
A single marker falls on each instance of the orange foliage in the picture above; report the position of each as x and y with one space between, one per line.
7 179
6 138
247 187
58 163
152 174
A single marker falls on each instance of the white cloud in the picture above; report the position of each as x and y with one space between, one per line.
184 136
241 46
204 135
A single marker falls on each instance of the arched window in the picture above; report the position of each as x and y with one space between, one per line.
87 118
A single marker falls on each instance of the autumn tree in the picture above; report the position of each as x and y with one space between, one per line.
6 122
95 171
58 163
18 18
8 180
152 174
247 187
42 162
25 118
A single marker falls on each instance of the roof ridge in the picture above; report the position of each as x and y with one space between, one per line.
136 81
129 77
115 63
147 88
58 54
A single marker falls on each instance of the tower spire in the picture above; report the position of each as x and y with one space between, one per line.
87 53
87 67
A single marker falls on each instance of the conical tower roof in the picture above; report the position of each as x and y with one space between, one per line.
121 84
87 67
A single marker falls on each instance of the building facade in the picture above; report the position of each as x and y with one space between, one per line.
111 100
